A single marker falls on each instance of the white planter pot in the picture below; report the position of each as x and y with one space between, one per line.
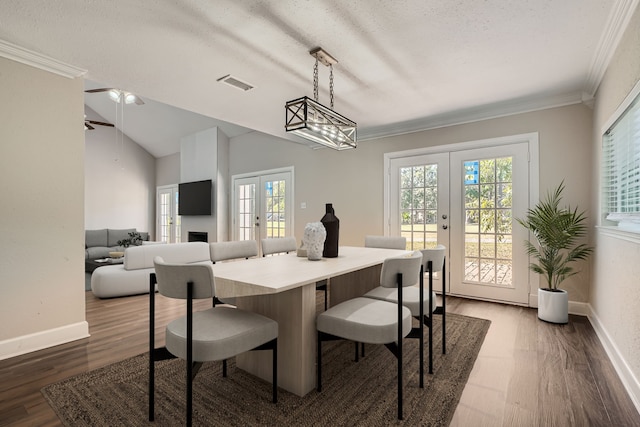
553 306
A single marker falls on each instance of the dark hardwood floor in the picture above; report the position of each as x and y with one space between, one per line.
528 373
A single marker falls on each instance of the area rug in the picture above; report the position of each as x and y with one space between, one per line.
362 393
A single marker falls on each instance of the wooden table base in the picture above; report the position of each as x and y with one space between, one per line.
295 312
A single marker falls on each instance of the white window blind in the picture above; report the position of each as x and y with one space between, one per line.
621 169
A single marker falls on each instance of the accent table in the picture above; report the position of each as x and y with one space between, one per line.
90 264
282 287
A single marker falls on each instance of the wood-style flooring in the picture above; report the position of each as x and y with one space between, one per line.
528 373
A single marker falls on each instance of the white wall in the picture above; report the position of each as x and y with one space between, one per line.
353 180
205 155
615 289
42 192
120 181
168 170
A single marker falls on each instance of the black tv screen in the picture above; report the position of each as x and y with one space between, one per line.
194 198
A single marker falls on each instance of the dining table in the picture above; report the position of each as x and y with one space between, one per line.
282 287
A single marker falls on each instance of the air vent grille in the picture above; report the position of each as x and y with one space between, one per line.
234 82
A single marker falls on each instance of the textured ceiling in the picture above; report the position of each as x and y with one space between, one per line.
403 65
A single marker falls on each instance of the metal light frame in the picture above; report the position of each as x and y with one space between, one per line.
313 121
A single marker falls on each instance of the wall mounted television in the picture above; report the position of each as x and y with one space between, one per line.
194 198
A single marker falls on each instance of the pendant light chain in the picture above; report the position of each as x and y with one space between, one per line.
315 81
319 123
331 84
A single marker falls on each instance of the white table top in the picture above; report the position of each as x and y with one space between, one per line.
280 273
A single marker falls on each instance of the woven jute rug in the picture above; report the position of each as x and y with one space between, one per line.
362 393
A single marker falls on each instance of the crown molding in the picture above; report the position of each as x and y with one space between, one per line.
615 27
475 114
37 60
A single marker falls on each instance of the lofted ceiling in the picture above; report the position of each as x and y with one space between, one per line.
404 65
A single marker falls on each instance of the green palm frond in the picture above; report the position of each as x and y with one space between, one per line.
557 232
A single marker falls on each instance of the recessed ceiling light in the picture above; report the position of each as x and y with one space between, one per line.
234 82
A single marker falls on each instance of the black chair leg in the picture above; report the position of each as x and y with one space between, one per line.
189 353
152 310
421 336
399 355
319 370
444 306
430 314
275 372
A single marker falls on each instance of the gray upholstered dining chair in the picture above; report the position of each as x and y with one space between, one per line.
368 320
432 261
217 333
383 242
225 251
276 245
386 242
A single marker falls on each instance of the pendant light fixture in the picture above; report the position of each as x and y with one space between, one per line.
311 120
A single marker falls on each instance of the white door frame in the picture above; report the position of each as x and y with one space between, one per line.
532 139
175 219
258 174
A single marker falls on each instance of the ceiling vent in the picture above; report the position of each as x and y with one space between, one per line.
238 84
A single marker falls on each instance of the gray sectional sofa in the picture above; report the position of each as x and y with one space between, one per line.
98 243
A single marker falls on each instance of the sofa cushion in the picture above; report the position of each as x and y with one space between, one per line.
95 238
137 257
99 251
115 235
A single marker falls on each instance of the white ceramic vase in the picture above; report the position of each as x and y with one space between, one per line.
553 306
313 240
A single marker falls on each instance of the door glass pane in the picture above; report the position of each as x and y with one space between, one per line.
246 211
488 221
168 221
165 217
177 227
419 206
275 208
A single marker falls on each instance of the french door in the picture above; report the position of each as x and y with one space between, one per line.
489 188
467 199
263 205
167 218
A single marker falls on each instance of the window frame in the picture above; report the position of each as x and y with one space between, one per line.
623 221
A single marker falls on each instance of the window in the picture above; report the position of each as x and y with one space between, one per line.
621 166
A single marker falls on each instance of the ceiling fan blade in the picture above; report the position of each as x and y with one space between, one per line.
104 89
120 94
93 122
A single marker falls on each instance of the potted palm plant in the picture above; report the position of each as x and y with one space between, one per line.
557 231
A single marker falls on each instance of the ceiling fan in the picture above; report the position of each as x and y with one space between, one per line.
118 95
88 123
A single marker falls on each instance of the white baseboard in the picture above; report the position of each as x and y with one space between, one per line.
630 382
578 308
44 339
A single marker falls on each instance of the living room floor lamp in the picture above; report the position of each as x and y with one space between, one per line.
311 120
